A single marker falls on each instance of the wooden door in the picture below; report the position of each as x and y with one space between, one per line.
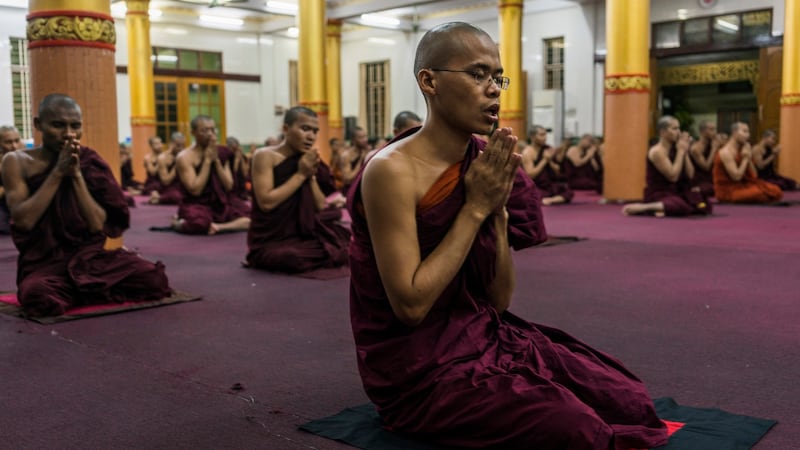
768 91
727 117
179 99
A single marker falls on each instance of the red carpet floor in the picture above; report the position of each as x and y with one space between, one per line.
705 310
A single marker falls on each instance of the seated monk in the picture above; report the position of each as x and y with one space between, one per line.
403 121
170 192
240 168
735 178
292 229
353 158
127 182
670 187
65 202
438 352
537 161
9 142
703 153
765 154
583 166
152 182
204 170
337 148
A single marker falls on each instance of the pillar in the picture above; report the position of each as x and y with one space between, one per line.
140 77
627 98
512 101
71 45
312 89
333 71
789 160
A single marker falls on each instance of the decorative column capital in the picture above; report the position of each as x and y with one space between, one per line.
138 8
791 99
502 4
626 83
71 29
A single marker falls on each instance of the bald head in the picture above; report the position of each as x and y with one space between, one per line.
53 102
442 42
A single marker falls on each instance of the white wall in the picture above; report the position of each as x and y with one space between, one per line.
12 24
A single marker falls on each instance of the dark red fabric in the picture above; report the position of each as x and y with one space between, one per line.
703 178
749 189
240 182
5 217
62 264
470 377
681 198
770 175
584 178
152 183
548 181
170 194
213 205
126 176
295 237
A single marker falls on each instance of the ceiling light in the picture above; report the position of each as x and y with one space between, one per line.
118 10
382 41
293 32
282 7
727 25
218 20
15 3
173 30
152 12
379 20
247 40
683 14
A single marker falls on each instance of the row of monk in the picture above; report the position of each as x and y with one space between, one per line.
432 278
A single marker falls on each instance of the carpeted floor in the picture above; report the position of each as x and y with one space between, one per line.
704 310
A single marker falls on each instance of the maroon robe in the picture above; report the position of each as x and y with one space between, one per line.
548 181
681 198
472 378
152 183
5 217
770 175
170 194
584 178
61 264
213 205
126 176
240 182
295 237
703 178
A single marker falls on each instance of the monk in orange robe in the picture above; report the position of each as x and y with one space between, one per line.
735 176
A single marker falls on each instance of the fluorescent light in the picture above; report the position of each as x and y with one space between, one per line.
164 58
152 12
118 10
282 7
179 31
382 41
379 20
727 25
15 3
218 20
247 40
683 14
293 32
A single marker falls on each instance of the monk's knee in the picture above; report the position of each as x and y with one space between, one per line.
574 426
41 296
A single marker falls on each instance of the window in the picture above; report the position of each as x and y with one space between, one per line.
724 31
21 85
554 63
374 104
186 59
294 96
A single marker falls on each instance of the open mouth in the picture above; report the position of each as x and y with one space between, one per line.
493 111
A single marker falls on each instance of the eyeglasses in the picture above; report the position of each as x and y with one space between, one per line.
482 77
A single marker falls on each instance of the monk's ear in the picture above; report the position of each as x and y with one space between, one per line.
427 82
37 124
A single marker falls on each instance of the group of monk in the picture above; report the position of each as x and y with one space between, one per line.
432 278
682 176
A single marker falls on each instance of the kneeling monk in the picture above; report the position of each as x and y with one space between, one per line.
208 205
432 278
292 228
670 189
64 202
735 176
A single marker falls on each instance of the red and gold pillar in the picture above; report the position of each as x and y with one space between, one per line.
312 89
333 71
789 160
71 46
140 78
627 98
512 101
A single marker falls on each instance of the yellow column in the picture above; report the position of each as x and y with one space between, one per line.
789 160
71 51
311 67
140 77
512 101
627 98
333 70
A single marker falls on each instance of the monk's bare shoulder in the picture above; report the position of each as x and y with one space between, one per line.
389 166
23 162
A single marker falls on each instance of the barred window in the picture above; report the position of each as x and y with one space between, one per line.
554 63
374 102
21 86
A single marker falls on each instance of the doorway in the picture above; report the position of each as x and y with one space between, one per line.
179 99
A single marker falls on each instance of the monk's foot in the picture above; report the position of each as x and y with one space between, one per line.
547 201
176 223
634 209
213 229
154 198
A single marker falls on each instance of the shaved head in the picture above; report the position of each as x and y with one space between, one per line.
51 102
441 43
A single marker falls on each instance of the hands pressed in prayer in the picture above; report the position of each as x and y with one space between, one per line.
307 166
490 178
684 142
210 153
68 163
549 153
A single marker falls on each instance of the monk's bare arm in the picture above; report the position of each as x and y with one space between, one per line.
192 181
671 170
167 176
758 157
697 156
533 170
505 280
348 171
92 212
735 171
151 164
224 173
267 195
688 167
412 284
26 209
319 196
574 155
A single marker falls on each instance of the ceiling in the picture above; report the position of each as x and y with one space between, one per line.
273 16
